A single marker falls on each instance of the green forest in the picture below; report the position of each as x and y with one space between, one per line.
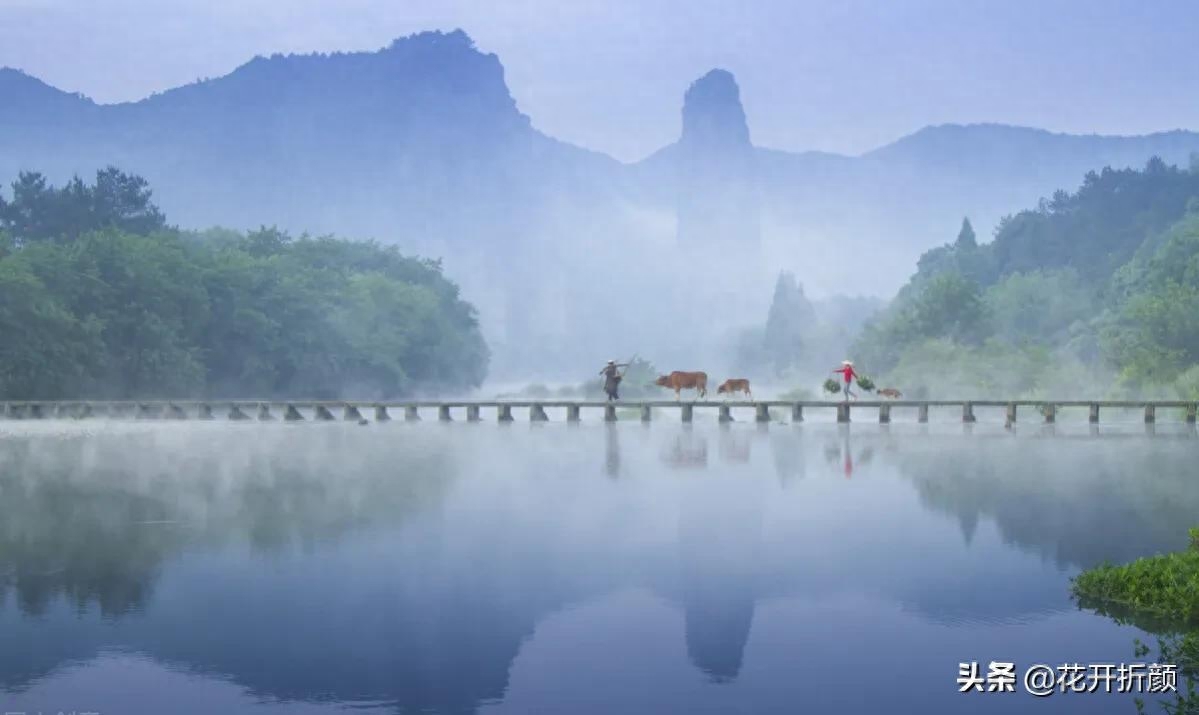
1091 293
101 298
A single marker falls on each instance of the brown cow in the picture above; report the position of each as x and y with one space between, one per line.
890 392
684 381
733 385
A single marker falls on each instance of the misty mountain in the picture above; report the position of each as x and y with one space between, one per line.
569 254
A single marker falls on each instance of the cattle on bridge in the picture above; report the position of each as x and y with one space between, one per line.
733 385
679 381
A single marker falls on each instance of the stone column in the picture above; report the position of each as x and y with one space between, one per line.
504 413
235 413
381 414
797 412
205 411
291 414
472 413
922 414
1192 408
843 412
647 413
537 413
609 413
350 413
1150 414
688 413
264 413
761 413
967 412
1011 413
176 412
1093 417
411 414
725 414
572 413
322 413
1050 412
443 414
884 414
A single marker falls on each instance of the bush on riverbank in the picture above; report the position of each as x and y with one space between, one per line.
1164 586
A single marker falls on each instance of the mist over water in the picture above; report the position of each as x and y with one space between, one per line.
456 568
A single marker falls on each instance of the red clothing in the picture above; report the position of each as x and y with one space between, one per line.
848 372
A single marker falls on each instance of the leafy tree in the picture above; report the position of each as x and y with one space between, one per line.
789 324
41 212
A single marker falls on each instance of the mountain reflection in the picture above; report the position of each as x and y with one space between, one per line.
408 565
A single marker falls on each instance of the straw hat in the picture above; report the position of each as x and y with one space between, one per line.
611 362
846 362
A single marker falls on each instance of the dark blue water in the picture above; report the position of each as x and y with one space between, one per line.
215 568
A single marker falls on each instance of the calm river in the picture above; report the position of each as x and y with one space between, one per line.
481 568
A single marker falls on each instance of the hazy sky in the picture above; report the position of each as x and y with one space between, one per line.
840 75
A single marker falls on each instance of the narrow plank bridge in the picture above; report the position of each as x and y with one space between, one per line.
764 411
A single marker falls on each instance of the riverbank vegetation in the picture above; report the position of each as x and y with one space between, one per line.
1159 594
101 298
1091 292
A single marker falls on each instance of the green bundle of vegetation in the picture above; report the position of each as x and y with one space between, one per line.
1164 586
831 386
865 383
111 302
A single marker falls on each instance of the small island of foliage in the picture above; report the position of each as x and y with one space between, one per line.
101 298
1159 594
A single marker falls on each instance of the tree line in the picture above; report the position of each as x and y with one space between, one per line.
101 298
1096 288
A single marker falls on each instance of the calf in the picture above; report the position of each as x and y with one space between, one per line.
733 385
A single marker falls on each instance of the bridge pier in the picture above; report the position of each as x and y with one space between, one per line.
472 413
443 414
1192 408
1093 416
411 414
145 412
922 414
504 413
843 412
797 412
761 413
350 413
83 411
609 412
572 413
1011 414
381 414
291 414
205 411
176 412
1050 412
884 414
968 413
537 413
688 413
726 415
61 410
1150 414
264 413
236 415
647 413
322 413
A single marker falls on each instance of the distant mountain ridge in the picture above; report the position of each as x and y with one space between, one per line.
422 144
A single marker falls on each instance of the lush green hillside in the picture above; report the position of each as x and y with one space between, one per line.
100 297
1094 290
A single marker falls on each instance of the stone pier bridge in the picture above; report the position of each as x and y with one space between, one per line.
503 411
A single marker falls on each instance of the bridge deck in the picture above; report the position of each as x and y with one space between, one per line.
294 410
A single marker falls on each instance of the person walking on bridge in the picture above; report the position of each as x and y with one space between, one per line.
612 377
847 371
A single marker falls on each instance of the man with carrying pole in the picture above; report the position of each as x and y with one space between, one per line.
612 377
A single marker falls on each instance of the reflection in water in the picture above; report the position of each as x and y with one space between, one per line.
686 450
411 565
611 450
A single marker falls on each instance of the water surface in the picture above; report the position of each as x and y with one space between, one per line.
462 568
